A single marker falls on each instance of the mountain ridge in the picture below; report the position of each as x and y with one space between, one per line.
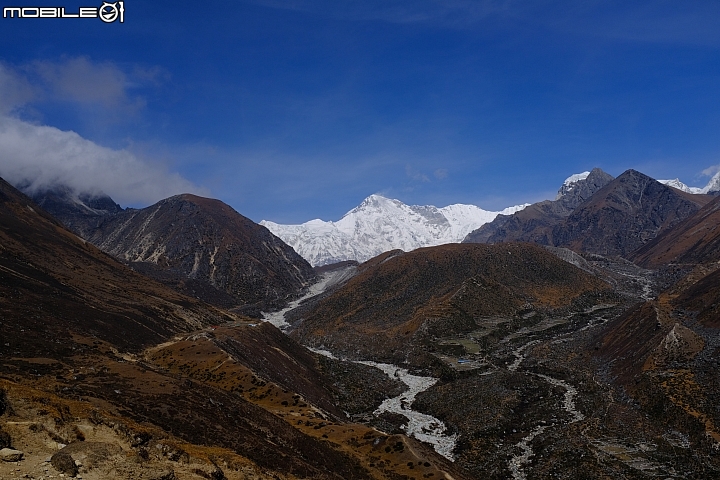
199 246
380 224
535 223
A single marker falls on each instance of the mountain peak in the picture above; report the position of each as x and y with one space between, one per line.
713 185
581 186
576 178
625 214
380 224
676 183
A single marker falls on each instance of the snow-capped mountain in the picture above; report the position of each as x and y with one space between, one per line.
712 187
570 183
380 224
676 183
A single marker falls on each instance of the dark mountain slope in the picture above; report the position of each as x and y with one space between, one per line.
695 240
535 223
204 248
54 284
624 215
78 212
398 299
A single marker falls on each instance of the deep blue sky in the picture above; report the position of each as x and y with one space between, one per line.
293 110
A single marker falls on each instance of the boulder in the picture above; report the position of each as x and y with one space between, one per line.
64 463
10 455
163 475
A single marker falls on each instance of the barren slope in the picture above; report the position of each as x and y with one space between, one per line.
398 299
204 248
238 401
624 215
692 241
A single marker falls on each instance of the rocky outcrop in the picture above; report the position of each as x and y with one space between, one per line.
63 462
535 223
11 455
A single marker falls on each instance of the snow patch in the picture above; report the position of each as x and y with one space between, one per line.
676 183
575 178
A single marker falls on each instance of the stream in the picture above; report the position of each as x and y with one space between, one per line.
420 426
326 281
515 464
423 427
427 428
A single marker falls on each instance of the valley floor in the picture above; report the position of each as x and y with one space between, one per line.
532 396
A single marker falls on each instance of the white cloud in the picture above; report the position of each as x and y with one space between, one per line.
80 80
15 90
415 174
44 156
710 171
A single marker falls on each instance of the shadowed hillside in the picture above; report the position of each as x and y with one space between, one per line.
626 214
692 241
535 223
198 246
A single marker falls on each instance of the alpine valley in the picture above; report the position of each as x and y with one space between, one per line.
572 338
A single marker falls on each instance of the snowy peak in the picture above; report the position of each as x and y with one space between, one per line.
676 183
380 224
575 178
713 185
570 183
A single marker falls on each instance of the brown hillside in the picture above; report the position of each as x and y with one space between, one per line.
397 297
235 401
694 240
54 285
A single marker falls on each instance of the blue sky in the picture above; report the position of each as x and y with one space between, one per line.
293 110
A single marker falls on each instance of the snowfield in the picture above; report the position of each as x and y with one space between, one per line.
381 224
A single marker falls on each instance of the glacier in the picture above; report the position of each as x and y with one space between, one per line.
380 224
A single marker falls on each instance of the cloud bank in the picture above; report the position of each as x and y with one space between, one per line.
38 157
42 156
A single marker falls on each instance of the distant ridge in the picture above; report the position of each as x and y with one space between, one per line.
535 223
198 246
624 215
379 225
595 213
